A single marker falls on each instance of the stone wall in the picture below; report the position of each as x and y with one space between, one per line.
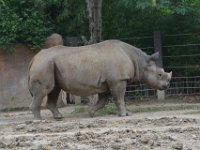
14 91
13 75
13 78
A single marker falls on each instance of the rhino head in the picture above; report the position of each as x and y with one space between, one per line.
155 76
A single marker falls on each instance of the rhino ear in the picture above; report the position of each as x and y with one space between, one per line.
170 74
154 57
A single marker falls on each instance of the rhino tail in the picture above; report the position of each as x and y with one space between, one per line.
57 73
28 75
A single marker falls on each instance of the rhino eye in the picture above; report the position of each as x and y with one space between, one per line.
160 75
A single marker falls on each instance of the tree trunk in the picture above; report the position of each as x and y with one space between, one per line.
95 22
95 25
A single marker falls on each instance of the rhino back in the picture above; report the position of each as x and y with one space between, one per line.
107 59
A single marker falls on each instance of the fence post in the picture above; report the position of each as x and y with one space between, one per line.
158 48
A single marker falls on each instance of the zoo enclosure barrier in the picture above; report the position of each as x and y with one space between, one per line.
179 87
179 53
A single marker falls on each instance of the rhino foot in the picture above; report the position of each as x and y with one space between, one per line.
37 118
123 114
91 112
37 115
58 117
128 113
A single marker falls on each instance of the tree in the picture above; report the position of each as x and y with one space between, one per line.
95 25
94 14
22 22
68 16
128 18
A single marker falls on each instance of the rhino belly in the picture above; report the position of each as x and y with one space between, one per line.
80 89
81 85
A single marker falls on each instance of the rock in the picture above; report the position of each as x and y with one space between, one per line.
177 145
194 137
2 145
151 143
144 139
12 143
28 122
20 127
116 146
158 144
31 130
188 148
118 140
25 144
46 129
171 138
81 126
134 141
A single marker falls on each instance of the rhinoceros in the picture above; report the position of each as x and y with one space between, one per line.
104 68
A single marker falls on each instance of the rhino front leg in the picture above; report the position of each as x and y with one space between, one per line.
52 99
101 102
118 91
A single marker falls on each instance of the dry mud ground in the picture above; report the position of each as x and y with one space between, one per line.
160 130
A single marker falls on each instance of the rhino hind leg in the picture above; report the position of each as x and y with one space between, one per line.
102 101
118 90
52 99
38 93
35 106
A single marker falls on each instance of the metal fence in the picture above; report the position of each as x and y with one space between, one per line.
180 86
184 86
138 91
186 71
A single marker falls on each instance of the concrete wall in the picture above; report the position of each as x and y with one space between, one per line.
13 78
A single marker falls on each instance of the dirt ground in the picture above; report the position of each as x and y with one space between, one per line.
157 130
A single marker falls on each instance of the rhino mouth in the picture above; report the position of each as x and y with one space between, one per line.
165 87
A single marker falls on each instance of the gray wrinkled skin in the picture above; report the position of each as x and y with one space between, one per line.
101 69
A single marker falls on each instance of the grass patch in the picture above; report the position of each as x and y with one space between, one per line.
79 109
111 109
14 109
153 108
192 112
143 148
107 110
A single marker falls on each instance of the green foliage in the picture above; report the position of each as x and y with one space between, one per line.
9 23
134 21
30 22
108 110
139 17
21 21
79 109
72 19
69 17
193 113
34 29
